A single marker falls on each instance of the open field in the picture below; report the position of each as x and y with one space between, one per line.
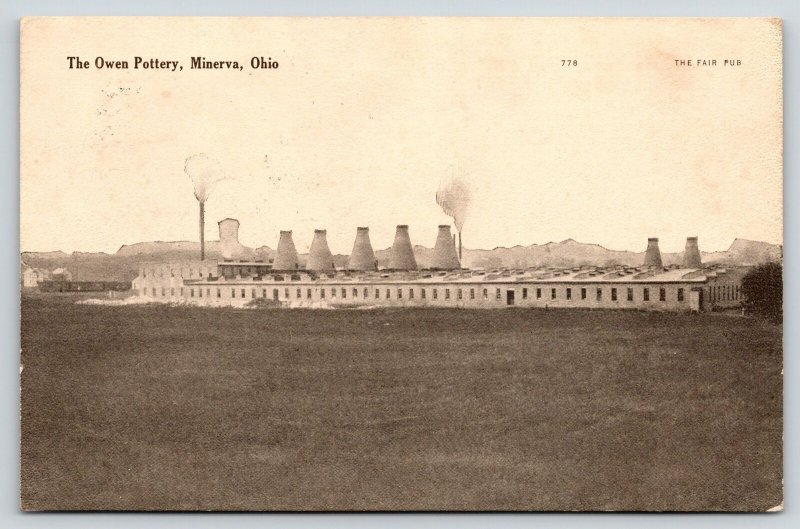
162 407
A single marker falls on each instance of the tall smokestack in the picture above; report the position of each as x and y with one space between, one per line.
202 231
444 253
204 173
691 254
319 256
402 254
286 256
362 257
460 257
652 257
229 238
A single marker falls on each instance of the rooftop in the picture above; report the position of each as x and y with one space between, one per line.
577 275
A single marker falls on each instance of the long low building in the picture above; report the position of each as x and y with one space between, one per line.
242 283
238 281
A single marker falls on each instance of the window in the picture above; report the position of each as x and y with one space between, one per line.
485 293
355 292
680 294
244 295
399 293
333 292
569 293
497 294
552 293
538 293
662 294
219 293
172 292
458 294
299 293
388 293
472 293
308 293
613 294
275 294
191 293
599 293
322 293
366 293
154 291
377 293
344 293
422 293
181 291
583 293
200 292
208 292
435 294
163 292
411 293
646 294
286 293
447 293
524 293
630 294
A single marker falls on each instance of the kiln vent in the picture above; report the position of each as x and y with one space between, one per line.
362 257
444 253
286 255
402 254
691 254
652 257
319 256
229 238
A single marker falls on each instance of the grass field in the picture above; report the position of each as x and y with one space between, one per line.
158 407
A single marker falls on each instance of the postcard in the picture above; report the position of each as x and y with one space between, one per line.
401 264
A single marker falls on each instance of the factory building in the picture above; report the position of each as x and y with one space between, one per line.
31 277
240 283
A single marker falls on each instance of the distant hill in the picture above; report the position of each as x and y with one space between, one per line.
124 264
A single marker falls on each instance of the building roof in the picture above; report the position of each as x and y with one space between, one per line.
578 275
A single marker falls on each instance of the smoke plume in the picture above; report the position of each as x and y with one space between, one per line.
454 197
204 173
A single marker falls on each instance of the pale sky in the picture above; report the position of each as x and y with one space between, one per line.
363 118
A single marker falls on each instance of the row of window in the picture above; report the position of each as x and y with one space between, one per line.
662 294
724 293
398 292
160 273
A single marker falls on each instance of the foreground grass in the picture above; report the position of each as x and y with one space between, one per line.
153 407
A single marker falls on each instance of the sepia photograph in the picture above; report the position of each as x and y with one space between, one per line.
401 264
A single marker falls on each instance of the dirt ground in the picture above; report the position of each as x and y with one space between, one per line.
172 408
